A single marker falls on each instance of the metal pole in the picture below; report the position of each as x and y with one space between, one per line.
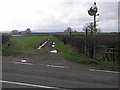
92 12
94 37
86 41
92 47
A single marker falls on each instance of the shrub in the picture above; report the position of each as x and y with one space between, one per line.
6 41
103 42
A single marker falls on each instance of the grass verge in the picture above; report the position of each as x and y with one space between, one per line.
72 55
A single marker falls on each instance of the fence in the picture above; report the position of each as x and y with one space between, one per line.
112 54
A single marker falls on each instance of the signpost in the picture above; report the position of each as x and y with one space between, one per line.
92 12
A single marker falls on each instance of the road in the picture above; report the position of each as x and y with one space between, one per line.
18 75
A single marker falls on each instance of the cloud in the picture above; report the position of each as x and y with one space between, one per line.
54 15
108 16
108 10
109 25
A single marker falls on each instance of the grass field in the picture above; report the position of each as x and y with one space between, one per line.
23 44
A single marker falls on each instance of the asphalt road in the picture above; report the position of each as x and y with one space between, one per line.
16 75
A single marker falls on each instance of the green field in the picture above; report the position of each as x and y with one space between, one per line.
23 44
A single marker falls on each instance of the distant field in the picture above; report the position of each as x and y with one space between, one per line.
65 33
23 44
81 33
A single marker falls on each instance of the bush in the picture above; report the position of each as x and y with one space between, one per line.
103 42
6 41
5 38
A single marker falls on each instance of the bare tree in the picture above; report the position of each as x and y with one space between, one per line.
69 29
15 32
28 31
88 28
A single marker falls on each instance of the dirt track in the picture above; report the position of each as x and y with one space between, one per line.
34 57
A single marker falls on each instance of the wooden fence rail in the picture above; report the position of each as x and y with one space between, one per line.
112 54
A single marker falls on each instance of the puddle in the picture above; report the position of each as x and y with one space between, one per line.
53 51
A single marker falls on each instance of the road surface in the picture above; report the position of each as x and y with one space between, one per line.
18 75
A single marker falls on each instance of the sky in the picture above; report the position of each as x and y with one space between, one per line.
56 15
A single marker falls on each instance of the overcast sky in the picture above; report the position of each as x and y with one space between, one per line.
56 15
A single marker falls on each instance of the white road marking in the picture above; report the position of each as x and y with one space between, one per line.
23 63
43 65
54 51
53 45
39 48
56 66
26 84
43 44
103 71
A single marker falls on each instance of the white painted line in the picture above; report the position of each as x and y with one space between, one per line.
23 63
26 84
56 66
39 48
54 51
93 70
42 44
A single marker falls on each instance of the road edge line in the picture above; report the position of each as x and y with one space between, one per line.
31 85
